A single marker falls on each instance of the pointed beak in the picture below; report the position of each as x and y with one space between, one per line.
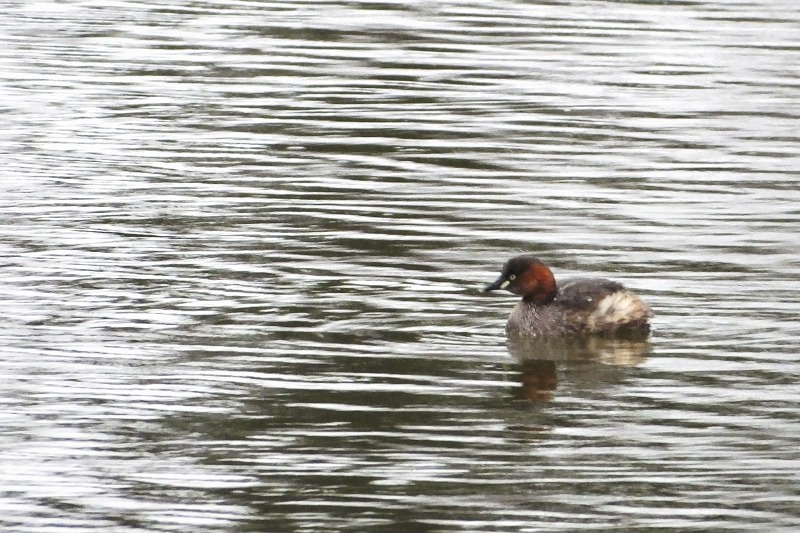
500 283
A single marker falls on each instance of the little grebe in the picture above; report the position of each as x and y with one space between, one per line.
580 306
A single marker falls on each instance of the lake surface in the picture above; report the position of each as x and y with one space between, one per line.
243 246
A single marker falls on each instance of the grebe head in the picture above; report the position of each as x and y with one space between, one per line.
528 277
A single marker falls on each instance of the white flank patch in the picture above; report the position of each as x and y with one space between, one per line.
618 308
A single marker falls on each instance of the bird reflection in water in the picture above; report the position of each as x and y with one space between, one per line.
538 358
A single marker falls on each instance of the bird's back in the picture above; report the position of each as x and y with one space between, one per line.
583 306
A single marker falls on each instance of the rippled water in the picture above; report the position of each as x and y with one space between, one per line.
243 245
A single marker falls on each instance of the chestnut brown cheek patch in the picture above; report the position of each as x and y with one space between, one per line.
527 281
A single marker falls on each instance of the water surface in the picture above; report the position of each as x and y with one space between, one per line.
243 247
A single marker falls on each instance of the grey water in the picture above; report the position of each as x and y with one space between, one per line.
243 245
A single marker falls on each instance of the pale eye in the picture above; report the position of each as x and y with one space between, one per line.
512 277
